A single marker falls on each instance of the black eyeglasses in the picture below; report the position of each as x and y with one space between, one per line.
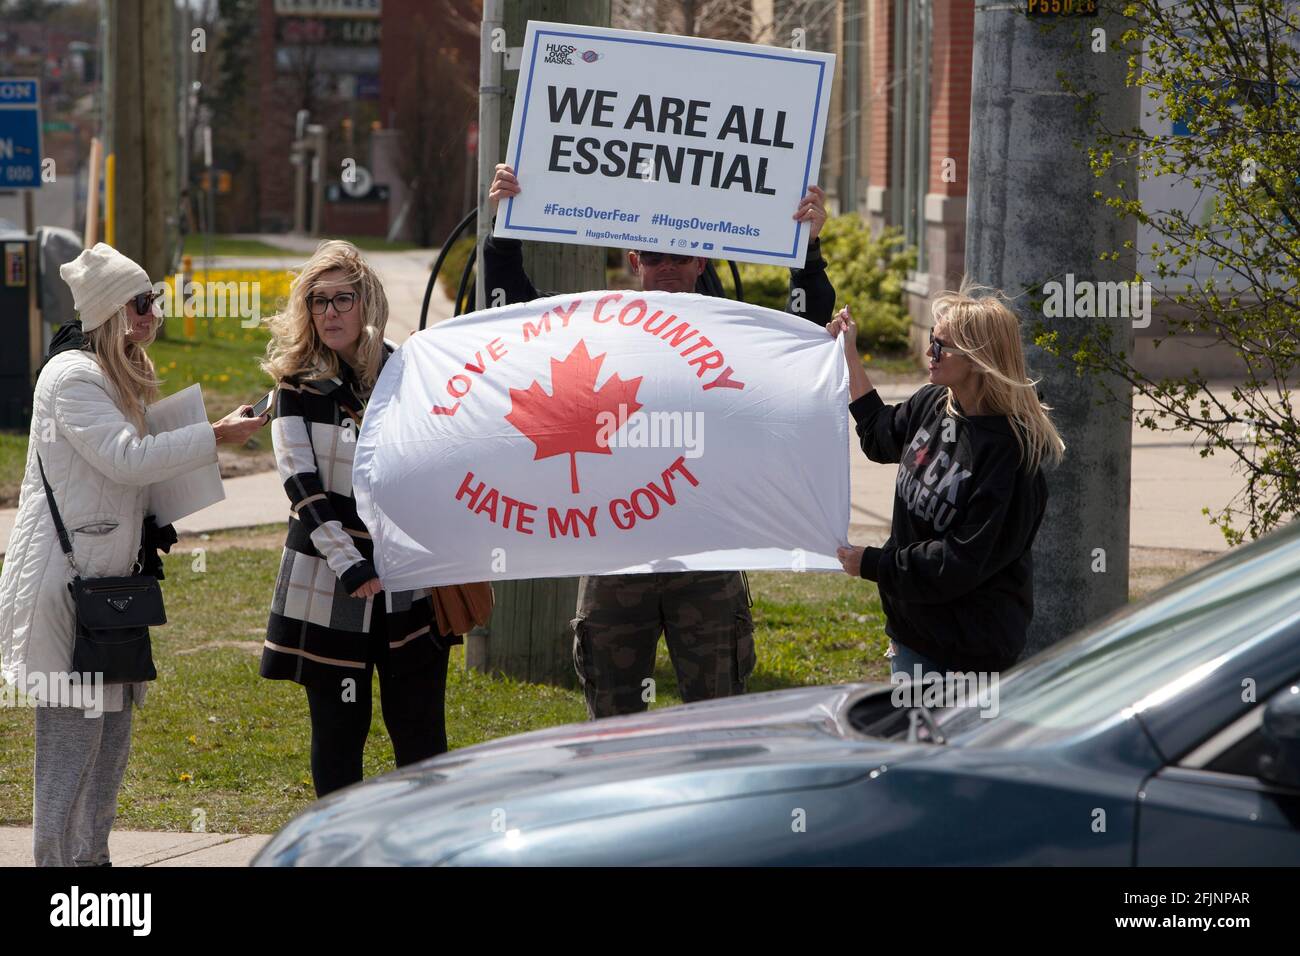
658 258
343 302
144 302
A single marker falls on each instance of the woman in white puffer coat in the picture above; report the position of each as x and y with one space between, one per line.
88 429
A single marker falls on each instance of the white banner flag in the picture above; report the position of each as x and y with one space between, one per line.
606 432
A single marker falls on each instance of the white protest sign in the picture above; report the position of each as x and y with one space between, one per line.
606 432
665 143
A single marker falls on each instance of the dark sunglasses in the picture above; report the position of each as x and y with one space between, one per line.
144 302
343 302
936 348
659 258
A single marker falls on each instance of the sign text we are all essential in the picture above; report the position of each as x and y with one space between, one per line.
614 156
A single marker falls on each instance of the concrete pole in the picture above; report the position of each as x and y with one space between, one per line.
316 139
1031 218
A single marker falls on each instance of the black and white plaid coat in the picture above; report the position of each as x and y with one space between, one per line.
319 634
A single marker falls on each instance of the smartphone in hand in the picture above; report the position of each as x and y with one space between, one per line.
260 408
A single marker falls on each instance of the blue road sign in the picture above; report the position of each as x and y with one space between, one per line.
20 133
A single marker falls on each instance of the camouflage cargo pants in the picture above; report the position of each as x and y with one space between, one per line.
703 615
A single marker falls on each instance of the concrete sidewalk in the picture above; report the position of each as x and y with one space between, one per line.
148 848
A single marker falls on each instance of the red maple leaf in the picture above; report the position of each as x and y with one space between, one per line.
567 421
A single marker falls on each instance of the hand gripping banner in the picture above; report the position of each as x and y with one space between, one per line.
602 433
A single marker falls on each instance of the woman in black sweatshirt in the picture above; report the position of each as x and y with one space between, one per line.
956 575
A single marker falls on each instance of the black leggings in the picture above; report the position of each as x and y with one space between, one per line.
412 705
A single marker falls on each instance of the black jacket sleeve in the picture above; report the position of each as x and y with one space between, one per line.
882 429
991 535
811 288
503 268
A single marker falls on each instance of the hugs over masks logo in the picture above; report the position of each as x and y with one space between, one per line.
560 53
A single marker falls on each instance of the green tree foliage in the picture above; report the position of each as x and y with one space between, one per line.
1229 74
867 272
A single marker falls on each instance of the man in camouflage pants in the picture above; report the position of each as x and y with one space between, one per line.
703 615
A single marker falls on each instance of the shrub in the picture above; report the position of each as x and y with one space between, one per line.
454 265
616 274
867 273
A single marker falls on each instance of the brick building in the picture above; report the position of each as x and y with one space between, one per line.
348 63
897 151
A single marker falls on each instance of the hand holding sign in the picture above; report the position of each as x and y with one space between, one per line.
851 560
504 186
812 210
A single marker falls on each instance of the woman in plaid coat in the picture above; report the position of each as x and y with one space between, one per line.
331 624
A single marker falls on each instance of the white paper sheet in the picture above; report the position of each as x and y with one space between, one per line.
185 494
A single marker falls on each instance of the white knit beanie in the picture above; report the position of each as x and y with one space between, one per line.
102 281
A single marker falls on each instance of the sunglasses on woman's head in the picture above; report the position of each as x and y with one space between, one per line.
143 302
343 302
659 258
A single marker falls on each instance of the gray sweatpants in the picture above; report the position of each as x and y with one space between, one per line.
80 762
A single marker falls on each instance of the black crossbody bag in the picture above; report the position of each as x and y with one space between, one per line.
113 616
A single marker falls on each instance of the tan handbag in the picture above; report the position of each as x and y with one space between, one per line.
460 607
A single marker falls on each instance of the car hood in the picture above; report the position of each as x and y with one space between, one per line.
747 745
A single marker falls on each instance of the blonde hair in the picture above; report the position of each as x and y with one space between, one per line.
126 364
296 348
983 328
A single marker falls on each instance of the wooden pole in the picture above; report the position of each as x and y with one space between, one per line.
128 172
153 139
529 636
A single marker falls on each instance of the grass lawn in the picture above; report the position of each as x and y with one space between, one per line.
902 363
13 460
216 737
225 363
229 246
233 246
378 244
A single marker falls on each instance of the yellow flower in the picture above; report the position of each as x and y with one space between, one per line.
192 739
185 778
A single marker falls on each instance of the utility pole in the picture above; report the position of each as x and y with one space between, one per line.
107 69
529 636
141 99
1032 219
128 172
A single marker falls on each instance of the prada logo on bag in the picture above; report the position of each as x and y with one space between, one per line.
120 603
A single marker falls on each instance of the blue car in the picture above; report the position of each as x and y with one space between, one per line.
1166 734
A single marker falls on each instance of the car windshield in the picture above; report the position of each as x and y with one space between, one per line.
1145 652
